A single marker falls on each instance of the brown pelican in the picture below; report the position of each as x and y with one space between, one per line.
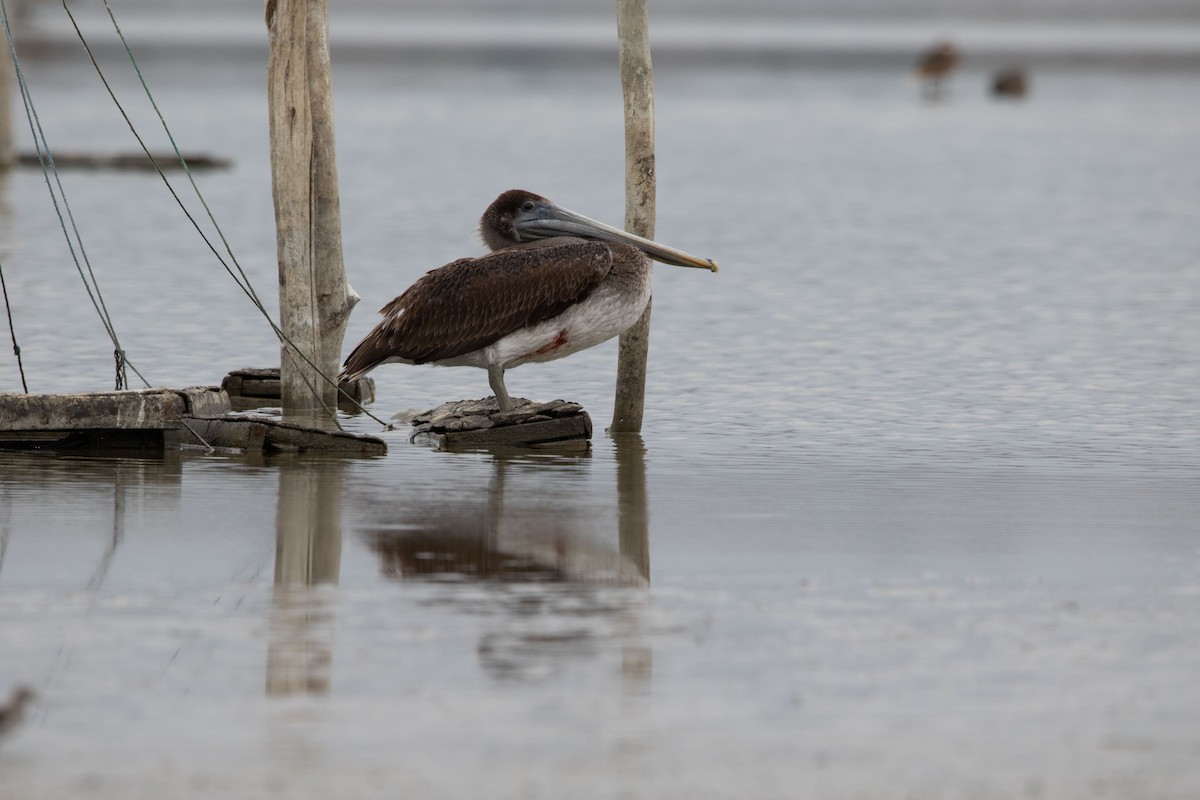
934 64
555 283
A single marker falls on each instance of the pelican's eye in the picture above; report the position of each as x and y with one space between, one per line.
527 205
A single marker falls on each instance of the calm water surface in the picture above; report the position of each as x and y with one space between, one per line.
913 513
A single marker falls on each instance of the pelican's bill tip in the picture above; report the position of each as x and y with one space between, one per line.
712 265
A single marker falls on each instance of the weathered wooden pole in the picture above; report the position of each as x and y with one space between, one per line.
315 299
637 85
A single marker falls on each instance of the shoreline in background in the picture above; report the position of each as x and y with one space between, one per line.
692 41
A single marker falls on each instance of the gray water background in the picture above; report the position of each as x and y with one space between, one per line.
919 467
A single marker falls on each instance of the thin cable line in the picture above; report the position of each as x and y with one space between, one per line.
13 331
182 161
243 282
46 160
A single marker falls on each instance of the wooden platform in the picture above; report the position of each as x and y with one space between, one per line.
257 433
155 420
140 420
480 424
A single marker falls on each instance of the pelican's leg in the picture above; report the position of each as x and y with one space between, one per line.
496 379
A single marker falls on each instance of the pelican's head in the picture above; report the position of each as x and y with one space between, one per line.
521 216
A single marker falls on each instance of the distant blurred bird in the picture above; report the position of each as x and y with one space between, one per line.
12 714
1010 83
934 65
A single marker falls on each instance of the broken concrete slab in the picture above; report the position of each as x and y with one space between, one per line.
155 420
257 433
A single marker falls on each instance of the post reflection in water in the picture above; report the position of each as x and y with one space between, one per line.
122 473
633 520
308 551
637 662
554 558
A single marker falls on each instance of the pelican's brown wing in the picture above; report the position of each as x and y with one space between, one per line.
473 302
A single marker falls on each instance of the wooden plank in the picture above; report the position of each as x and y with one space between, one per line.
255 433
255 372
466 424
254 387
528 434
287 436
230 433
250 388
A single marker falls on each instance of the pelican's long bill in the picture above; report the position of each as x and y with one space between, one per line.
542 220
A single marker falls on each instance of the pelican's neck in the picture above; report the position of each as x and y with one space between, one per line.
496 240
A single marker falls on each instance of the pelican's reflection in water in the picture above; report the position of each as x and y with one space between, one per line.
558 561
308 551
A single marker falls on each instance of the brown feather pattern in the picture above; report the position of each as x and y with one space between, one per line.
473 302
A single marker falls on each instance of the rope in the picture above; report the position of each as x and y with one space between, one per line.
243 281
182 161
240 277
13 331
47 163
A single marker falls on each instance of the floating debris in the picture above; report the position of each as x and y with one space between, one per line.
126 161
468 424
1011 83
12 714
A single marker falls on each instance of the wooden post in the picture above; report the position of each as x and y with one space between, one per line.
315 299
637 85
